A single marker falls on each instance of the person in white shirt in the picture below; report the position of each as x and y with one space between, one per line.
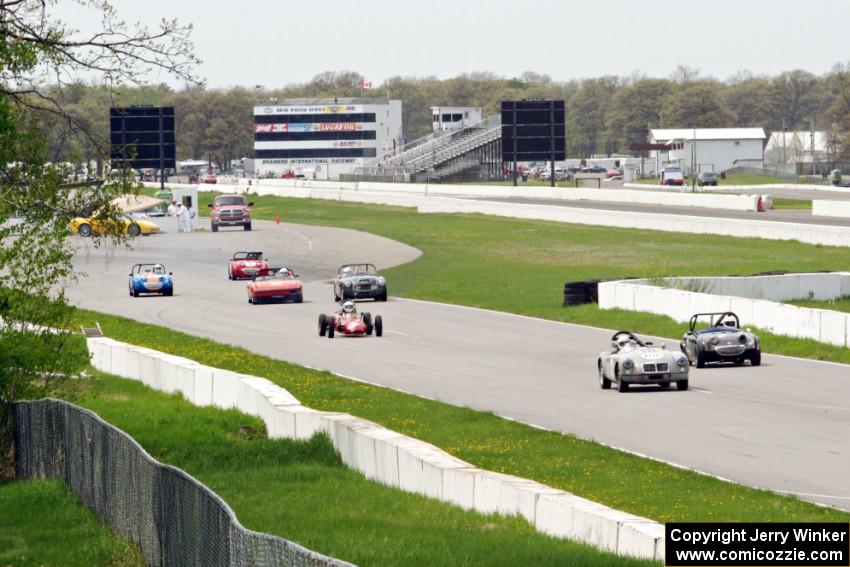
178 214
189 224
186 219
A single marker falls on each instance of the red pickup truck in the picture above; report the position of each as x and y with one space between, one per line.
230 210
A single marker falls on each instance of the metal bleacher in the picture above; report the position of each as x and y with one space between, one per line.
441 154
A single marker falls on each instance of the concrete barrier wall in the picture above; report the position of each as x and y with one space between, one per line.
839 209
810 234
752 188
326 189
383 455
363 193
826 326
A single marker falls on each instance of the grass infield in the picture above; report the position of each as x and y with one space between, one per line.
301 490
43 523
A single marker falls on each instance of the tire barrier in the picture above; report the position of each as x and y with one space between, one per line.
575 293
579 293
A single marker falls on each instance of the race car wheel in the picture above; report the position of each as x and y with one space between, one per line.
84 230
323 324
331 329
379 326
604 382
299 299
367 320
755 359
230 274
336 297
383 296
682 385
622 385
134 230
168 292
700 359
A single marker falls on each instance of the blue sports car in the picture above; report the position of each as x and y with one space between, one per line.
150 278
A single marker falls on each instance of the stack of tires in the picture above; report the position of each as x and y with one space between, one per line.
575 293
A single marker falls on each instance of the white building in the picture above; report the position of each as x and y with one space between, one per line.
716 149
451 117
802 146
324 138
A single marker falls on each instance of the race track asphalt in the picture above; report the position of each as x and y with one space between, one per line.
784 426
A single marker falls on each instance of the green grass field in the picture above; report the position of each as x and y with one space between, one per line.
664 493
43 523
838 304
520 266
300 490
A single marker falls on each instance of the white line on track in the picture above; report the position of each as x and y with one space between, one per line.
301 236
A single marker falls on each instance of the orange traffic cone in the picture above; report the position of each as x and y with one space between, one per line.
277 217
760 205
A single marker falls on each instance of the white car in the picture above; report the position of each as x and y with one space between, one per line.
632 361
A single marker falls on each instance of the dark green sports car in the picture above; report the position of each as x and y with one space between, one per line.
359 281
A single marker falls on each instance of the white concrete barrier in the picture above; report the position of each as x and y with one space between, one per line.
838 209
382 455
826 326
406 194
202 394
811 234
405 197
225 388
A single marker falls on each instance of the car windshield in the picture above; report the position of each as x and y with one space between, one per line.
279 275
150 269
358 270
248 256
229 201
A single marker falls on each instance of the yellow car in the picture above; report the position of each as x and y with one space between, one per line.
123 225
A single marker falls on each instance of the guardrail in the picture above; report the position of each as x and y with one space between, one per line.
386 456
172 517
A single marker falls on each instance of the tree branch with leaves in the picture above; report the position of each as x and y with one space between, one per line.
39 56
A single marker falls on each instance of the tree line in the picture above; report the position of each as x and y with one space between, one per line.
604 114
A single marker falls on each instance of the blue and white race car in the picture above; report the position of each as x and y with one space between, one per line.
150 278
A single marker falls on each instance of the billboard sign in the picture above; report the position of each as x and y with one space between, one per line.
309 127
142 137
533 130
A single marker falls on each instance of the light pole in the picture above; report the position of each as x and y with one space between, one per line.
694 162
812 125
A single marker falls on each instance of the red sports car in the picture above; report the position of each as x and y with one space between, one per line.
348 321
275 285
246 265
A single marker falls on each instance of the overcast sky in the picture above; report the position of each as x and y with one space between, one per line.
275 43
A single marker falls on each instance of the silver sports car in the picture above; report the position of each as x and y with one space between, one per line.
722 341
632 361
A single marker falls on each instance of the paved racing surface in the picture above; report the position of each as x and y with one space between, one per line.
782 426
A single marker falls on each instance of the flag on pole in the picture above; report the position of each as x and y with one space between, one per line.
365 84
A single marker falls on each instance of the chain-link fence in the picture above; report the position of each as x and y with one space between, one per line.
172 517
